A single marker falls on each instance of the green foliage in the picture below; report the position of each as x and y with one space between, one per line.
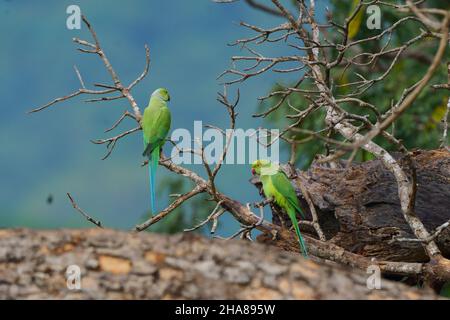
355 24
419 127
445 290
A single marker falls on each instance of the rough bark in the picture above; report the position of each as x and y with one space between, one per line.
121 265
359 208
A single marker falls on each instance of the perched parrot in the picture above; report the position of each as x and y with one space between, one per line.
155 126
276 186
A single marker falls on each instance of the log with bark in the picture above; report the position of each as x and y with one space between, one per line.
359 209
124 265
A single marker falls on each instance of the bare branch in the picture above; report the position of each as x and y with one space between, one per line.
84 214
214 216
79 77
254 4
124 115
69 96
175 204
145 72
111 142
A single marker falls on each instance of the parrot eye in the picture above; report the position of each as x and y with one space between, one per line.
253 171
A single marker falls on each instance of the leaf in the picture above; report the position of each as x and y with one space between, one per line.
437 114
355 24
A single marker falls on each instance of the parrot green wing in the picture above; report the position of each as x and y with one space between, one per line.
155 126
282 184
281 188
277 186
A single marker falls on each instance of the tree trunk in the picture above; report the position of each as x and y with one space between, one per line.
120 265
359 208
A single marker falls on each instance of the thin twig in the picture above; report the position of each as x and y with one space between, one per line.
79 76
175 204
215 214
84 214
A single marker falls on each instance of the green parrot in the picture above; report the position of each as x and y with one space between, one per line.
277 186
155 126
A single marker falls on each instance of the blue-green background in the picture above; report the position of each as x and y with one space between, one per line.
50 153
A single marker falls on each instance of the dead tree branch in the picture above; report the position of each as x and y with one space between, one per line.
84 214
315 84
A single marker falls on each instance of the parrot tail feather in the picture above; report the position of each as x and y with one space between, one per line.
301 241
152 166
299 235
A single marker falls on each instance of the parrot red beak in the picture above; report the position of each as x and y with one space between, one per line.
253 171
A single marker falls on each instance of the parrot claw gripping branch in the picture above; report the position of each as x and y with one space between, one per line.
317 87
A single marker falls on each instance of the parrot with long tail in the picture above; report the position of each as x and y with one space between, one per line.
155 125
276 186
